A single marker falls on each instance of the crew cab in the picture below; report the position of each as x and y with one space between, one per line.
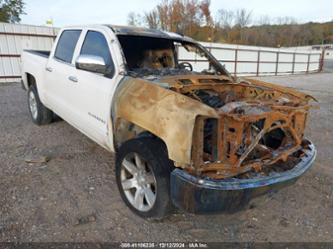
186 133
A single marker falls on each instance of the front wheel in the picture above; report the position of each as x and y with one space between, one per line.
143 177
40 114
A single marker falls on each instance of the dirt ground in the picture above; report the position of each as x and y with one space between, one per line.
74 197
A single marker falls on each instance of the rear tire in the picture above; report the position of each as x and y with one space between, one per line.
40 114
143 177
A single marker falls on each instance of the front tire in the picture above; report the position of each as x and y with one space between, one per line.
40 114
143 177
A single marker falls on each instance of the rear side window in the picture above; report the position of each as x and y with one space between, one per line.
66 45
96 44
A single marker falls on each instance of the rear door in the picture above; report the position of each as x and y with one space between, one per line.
58 84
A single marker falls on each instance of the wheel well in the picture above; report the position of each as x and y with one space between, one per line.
30 80
126 130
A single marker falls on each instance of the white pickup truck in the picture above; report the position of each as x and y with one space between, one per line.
185 132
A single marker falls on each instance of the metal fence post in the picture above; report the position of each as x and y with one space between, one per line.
277 62
293 66
321 61
308 65
258 62
236 60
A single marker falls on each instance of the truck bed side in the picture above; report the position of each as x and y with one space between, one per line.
33 69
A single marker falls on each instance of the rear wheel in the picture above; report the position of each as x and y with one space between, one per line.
40 114
143 177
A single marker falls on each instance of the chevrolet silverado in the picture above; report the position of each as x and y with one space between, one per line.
186 133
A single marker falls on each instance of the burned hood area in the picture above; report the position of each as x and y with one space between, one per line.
257 128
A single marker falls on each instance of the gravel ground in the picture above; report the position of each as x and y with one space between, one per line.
73 197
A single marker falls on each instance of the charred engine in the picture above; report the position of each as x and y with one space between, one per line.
251 134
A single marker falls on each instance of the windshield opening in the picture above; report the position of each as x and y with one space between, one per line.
159 56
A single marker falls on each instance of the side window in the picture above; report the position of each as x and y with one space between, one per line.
96 44
66 45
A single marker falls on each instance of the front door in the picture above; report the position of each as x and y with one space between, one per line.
92 92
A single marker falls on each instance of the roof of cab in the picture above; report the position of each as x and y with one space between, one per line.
139 31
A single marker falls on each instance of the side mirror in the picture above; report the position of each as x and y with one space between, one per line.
92 63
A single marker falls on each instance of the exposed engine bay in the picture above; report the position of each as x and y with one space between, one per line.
260 128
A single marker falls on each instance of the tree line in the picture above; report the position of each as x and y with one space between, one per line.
11 10
194 18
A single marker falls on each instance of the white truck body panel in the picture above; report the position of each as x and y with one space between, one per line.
85 104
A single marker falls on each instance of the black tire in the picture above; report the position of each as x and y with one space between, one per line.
43 115
154 153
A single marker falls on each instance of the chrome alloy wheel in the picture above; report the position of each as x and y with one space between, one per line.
138 182
33 105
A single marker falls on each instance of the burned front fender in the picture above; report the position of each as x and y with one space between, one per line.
167 114
204 195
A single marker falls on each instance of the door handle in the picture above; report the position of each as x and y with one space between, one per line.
49 69
72 78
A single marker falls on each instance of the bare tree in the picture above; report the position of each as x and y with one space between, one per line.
152 19
264 20
225 18
163 15
243 17
285 20
134 19
205 12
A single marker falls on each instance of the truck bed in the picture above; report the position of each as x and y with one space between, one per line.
34 63
42 53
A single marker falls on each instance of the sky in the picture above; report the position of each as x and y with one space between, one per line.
72 12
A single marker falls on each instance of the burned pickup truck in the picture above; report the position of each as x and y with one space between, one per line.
186 133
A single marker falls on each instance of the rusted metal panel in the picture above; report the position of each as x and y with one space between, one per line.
288 116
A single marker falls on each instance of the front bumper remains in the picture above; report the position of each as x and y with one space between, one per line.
203 195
